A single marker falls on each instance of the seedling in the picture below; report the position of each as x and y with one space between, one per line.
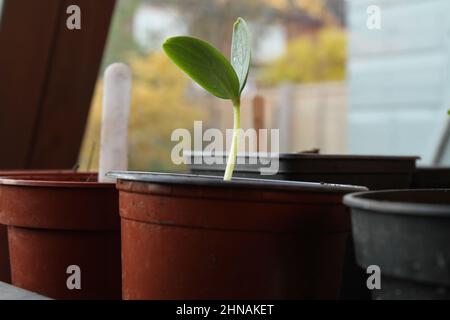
207 66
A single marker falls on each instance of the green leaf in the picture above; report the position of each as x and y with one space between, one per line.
205 65
241 51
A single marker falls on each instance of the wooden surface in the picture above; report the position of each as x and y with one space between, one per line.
24 59
258 121
8 292
48 77
317 118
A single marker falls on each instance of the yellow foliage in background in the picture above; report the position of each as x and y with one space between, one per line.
310 59
159 105
315 8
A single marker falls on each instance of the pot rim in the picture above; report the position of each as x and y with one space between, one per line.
36 179
306 155
218 182
358 201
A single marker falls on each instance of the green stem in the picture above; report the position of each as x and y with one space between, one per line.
232 156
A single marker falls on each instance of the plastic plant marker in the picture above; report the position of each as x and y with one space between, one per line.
207 66
114 132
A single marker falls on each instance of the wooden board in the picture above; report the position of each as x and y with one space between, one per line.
48 74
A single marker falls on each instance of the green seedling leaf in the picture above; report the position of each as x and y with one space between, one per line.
211 70
205 65
241 51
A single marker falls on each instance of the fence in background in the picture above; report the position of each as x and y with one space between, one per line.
308 116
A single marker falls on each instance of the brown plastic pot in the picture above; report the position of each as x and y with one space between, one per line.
58 220
198 237
373 171
5 271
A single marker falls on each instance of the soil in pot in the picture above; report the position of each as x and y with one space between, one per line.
407 234
431 178
58 223
198 237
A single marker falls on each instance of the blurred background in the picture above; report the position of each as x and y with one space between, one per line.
298 68
319 74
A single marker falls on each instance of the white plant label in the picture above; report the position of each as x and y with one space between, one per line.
115 114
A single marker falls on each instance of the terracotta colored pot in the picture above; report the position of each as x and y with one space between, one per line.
5 272
198 237
11 173
373 171
56 221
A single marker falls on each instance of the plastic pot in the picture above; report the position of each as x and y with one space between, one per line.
407 234
198 237
374 172
5 272
60 220
431 178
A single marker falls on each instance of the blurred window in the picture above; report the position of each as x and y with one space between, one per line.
327 81
298 68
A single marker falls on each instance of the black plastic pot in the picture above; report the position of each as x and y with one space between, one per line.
407 234
431 178
374 172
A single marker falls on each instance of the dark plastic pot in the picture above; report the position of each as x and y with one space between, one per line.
198 237
58 220
431 178
374 172
407 234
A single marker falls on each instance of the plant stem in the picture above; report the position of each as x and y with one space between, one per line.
232 156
